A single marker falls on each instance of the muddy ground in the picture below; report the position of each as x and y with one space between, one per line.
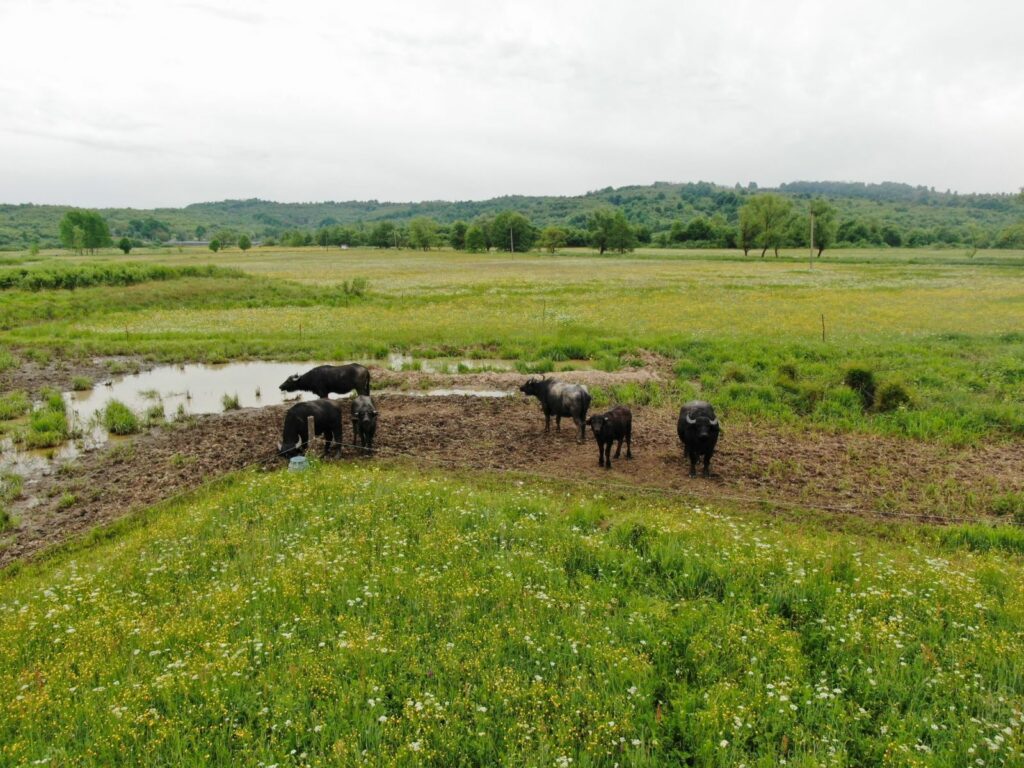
58 373
756 466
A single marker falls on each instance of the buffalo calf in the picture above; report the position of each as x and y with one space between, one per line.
364 422
615 425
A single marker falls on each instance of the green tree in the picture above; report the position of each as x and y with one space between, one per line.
84 230
227 237
125 245
200 232
323 237
422 233
244 243
457 235
610 231
746 233
552 238
383 235
825 224
476 240
214 245
511 230
771 214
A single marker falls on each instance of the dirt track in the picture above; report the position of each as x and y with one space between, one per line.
755 466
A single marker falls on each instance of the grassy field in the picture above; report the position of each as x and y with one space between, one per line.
746 333
380 615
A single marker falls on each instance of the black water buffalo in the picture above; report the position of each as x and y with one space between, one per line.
330 379
616 424
698 429
326 423
364 422
559 399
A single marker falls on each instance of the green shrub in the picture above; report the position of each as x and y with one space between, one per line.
608 363
81 383
155 414
66 500
735 373
861 381
14 404
7 360
686 369
119 419
540 366
892 396
1009 504
230 402
788 371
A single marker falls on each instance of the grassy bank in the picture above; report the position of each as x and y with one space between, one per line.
358 614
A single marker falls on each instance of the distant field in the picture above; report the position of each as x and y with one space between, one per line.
378 615
747 333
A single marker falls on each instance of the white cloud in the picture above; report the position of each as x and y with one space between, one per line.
154 103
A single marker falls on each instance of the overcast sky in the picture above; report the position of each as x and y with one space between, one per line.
139 103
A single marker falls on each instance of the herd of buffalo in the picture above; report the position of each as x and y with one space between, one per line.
697 427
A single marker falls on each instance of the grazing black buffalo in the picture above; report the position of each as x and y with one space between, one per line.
616 424
326 423
330 379
698 429
364 422
559 399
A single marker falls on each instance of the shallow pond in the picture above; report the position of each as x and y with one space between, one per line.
195 389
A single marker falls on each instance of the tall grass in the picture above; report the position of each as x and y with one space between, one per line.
48 423
119 419
352 613
70 277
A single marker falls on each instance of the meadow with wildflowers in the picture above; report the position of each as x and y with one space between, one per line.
379 614
767 339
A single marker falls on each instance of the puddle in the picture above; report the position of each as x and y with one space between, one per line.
449 393
399 362
196 389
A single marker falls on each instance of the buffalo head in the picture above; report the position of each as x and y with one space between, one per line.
703 425
533 386
291 383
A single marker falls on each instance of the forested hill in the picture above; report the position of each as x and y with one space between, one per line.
898 214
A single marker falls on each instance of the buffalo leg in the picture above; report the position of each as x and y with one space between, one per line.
608 454
582 424
618 448
707 465
558 422
692 456
600 453
547 421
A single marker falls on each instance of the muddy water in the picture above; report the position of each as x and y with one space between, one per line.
196 389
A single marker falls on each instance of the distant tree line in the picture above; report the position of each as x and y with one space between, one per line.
699 215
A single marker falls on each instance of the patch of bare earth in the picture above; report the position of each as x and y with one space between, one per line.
33 377
756 466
